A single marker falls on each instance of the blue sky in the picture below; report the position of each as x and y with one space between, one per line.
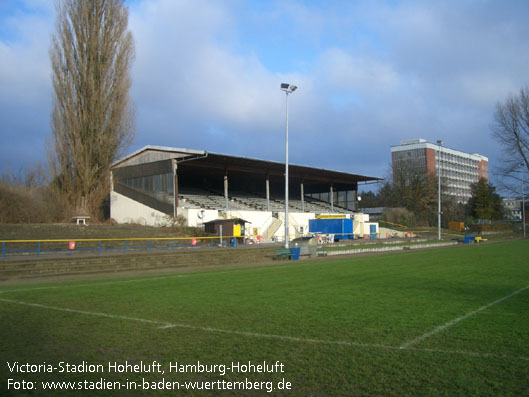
207 76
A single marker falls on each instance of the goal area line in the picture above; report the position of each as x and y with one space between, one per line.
451 323
163 325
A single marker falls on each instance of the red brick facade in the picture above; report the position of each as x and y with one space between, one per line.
483 169
430 161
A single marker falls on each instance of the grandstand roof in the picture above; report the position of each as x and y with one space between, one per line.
224 162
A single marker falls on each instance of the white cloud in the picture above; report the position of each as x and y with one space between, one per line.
370 74
484 90
25 70
342 71
185 74
25 87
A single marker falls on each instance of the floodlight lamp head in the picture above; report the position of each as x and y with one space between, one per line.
439 142
288 88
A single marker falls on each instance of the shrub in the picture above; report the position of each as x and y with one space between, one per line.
400 216
38 204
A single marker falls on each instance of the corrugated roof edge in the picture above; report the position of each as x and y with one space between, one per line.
293 165
159 148
202 152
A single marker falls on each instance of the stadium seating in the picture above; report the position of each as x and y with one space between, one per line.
245 201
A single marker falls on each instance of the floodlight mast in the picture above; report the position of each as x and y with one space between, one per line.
439 143
289 89
523 203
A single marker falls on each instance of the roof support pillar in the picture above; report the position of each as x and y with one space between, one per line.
175 188
267 193
332 198
302 198
226 200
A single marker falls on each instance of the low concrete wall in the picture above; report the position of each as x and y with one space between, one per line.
389 248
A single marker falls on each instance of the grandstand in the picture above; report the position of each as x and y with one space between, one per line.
155 184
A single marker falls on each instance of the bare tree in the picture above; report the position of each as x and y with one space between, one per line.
416 191
411 188
93 120
511 130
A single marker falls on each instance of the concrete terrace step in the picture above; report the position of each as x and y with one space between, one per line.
389 248
71 265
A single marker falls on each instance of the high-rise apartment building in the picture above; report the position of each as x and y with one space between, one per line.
458 169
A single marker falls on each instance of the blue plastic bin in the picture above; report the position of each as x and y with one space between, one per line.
294 252
469 239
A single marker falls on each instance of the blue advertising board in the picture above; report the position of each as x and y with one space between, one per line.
341 228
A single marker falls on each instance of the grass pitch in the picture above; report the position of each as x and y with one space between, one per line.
439 322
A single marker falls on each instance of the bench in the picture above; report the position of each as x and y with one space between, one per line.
283 254
81 218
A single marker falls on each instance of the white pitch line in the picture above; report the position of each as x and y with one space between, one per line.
283 337
458 320
167 325
99 314
94 284
467 353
